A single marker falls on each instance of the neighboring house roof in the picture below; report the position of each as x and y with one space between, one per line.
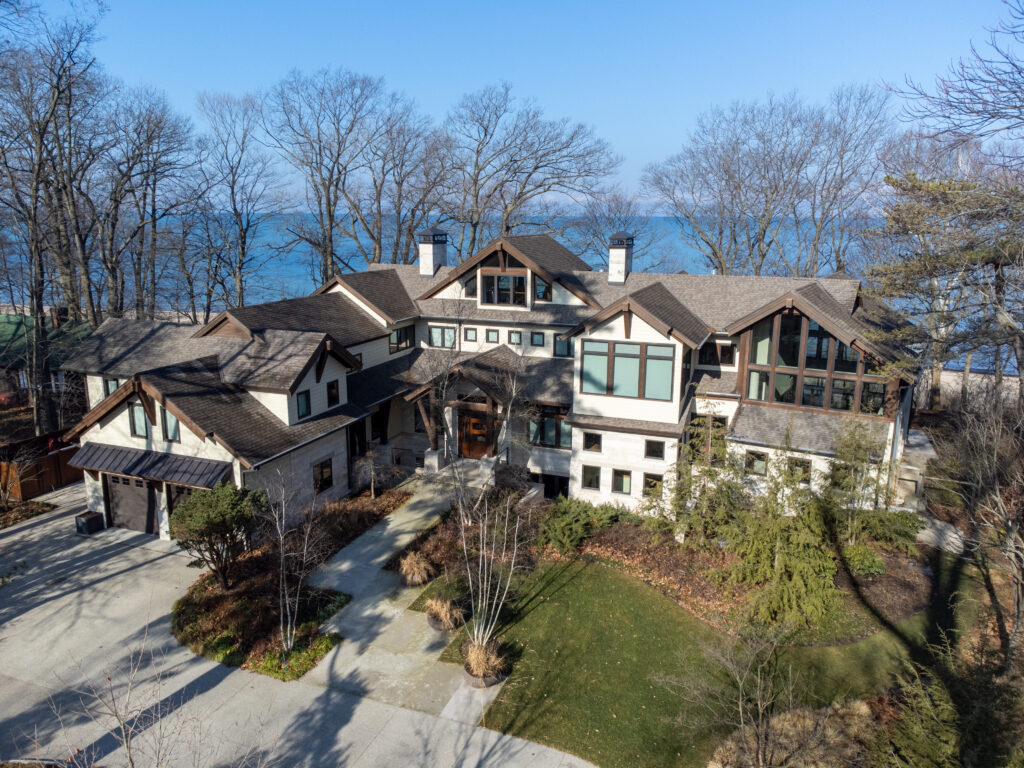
808 431
14 345
151 465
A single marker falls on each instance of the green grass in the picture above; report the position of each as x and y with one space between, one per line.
585 642
306 654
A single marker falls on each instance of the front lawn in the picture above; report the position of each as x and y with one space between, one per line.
586 639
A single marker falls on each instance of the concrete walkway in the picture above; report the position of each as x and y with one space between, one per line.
389 653
74 609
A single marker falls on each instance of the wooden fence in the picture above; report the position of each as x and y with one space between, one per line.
30 468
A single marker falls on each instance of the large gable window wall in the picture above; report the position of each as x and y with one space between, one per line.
627 369
794 361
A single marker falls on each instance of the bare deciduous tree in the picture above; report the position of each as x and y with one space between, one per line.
615 210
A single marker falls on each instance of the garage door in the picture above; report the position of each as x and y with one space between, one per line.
132 503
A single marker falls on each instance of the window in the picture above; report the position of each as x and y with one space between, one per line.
323 476
592 441
789 341
727 354
137 420
169 424
302 404
846 359
469 334
785 387
109 385
872 398
549 430
442 336
761 342
515 337
333 393
402 338
814 392
563 347
652 484
504 289
492 335
654 449
57 381
800 469
756 463
622 481
541 289
634 368
842 395
536 339
592 478
816 357
594 370
757 386
708 354
471 288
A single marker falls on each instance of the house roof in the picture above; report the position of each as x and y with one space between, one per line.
616 424
714 382
14 332
659 309
381 289
152 465
542 380
808 431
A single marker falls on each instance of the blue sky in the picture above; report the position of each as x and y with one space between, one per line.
637 72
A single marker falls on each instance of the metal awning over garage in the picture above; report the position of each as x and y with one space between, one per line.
151 465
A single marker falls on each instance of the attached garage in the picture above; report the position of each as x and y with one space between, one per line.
131 503
141 487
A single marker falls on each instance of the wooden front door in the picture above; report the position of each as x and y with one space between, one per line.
474 437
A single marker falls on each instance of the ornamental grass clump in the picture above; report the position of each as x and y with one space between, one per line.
415 569
483 659
445 612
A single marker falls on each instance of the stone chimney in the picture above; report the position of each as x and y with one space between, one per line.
433 250
620 257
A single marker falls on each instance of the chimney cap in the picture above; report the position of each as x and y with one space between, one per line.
620 239
433 235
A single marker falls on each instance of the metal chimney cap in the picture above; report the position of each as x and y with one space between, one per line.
620 239
433 235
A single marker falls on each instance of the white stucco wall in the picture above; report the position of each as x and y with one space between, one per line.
376 351
318 390
275 402
619 450
94 390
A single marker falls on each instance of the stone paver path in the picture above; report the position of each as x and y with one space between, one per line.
389 653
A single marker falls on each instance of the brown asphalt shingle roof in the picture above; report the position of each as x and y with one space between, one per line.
331 313
548 253
385 290
659 301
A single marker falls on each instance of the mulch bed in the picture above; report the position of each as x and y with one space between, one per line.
16 424
23 510
899 593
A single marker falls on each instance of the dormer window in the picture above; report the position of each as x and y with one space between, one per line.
506 289
333 393
172 432
109 386
302 404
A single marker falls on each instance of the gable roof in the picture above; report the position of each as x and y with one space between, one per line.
382 290
659 309
541 253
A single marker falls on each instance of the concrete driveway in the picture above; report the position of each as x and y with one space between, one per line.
74 609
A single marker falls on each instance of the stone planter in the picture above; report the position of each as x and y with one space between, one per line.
482 682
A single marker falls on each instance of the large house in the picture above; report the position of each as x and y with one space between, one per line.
421 364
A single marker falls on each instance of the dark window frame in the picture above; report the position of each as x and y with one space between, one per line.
565 350
492 291
647 449
622 473
518 338
802 467
533 338
147 428
541 288
466 332
164 413
333 393
583 478
471 288
600 442
750 458
643 356
652 481
108 390
401 339
562 432
442 329
492 336
300 398
322 480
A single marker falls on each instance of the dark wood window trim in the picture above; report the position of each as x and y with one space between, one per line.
536 338
801 372
323 475
136 409
492 335
443 329
801 467
515 337
750 460
659 450
469 334
624 474
109 386
303 404
518 287
333 393
652 483
583 478
401 339
612 353
541 288
563 347
166 432
562 432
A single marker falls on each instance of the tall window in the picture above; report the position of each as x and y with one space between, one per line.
563 347
504 289
549 430
622 481
333 393
816 356
442 336
471 288
302 404
171 430
761 342
632 370
402 338
137 420
109 385
591 479
323 476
